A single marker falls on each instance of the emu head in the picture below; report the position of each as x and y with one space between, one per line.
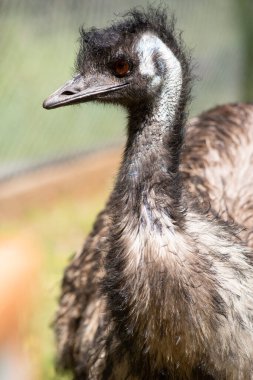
129 63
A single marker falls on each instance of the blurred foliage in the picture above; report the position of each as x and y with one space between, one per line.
39 43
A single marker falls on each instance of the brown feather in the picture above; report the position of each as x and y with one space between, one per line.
218 150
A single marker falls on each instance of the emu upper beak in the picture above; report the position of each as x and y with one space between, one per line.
80 89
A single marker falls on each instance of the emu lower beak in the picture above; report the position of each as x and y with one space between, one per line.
80 89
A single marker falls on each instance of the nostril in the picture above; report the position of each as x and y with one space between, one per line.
68 93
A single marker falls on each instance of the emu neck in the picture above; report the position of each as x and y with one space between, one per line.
146 214
154 141
152 154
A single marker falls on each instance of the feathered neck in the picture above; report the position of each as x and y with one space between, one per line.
155 135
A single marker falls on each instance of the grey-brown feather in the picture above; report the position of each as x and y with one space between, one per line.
217 162
164 307
81 301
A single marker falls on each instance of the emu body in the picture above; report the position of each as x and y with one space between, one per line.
163 288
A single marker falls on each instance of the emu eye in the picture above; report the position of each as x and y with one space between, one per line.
121 67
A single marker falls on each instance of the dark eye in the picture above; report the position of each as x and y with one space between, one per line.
121 67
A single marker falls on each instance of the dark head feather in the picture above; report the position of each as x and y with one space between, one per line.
101 42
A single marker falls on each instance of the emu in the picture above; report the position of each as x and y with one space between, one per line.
163 288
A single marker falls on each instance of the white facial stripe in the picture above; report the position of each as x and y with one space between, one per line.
145 50
147 46
172 83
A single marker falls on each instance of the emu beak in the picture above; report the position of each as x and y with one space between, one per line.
81 89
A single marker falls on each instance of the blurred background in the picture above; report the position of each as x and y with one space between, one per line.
57 167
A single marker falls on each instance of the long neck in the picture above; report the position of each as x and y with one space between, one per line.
152 153
146 206
145 211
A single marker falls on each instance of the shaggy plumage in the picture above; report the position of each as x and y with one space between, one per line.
163 288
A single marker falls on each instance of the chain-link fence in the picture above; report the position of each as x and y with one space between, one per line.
38 43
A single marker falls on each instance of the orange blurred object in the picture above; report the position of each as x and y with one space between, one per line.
19 270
